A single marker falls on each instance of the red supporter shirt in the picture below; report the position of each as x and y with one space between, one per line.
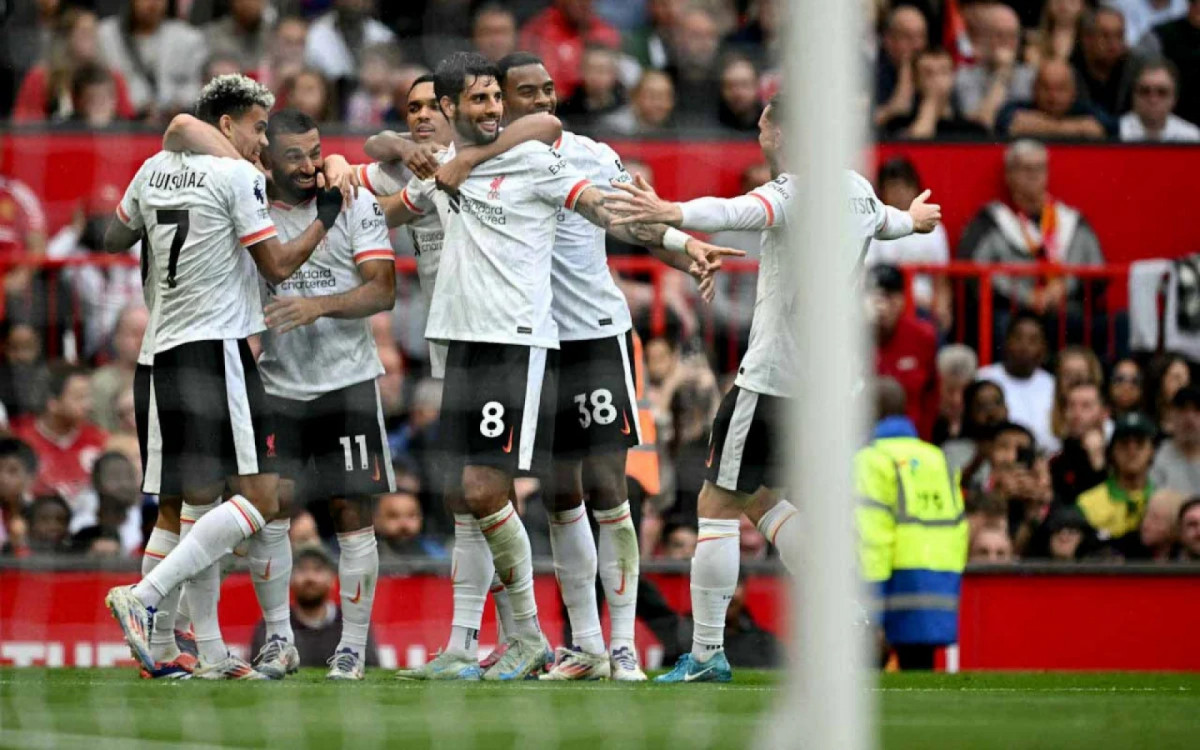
31 104
910 356
20 215
551 36
64 465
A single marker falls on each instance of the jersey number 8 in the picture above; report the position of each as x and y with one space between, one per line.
602 412
493 420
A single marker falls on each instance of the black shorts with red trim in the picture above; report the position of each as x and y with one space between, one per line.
597 401
746 450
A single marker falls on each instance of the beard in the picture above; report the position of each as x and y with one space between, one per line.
469 130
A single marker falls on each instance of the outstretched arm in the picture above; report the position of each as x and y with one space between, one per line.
376 294
420 158
542 127
187 133
639 203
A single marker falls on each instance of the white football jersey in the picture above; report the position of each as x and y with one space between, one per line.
868 214
331 353
587 302
494 276
199 213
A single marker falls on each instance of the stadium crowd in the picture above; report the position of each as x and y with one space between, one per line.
1084 460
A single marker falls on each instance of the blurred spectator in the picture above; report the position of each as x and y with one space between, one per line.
679 541
337 39
310 93
600 91
25 37
397 114
650 43
159 57
760 37
46 91
399 527
65 442
1054 38
905 347
113 503
1063 534
996 78
937 113
650 108
1103 65
693 399
97 543
1189 530
94 94
1056 110
1075 365
22 372
48 518
1143 15
494 31
303 531
220 64
752 545
316 619
1082 463
899 185
983 411
123 438
1179 42
1166 374
1125 387
1032 227
18 467
22 235
693 68
1155 94
117 376
991 545
905 35
1155 539
746 642
956 366
740 107
1028 389
377 78
244 34
1115 507
1177 464
285 53
558 36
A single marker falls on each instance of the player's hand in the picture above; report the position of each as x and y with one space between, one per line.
285 314
421 159
708 257
329 203
707 282
338 174
925 216
638 203
450 176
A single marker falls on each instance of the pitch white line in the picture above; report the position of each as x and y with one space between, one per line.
31 740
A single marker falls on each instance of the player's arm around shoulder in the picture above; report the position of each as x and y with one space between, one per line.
529 131
276 260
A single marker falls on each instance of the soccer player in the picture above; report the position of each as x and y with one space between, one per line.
747 455
492 305
202 417
319 366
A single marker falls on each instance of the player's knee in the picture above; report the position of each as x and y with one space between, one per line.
604 481
716 502
169 509
484 490
567 490
351 513
262 490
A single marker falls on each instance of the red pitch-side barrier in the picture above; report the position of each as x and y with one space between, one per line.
1136 196
1088 619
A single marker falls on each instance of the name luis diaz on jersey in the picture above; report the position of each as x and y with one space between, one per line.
176 180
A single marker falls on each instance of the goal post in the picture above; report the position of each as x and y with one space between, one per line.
825 702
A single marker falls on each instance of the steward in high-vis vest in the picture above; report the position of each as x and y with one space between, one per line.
913 533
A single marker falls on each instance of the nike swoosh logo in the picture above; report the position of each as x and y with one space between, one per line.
267 570
625 430
357 594
375 476
620 589
697 675
712 452
511 576
508 448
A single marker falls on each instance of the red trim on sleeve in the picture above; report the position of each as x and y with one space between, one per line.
558 142
409 203
124 217
770 211
575 192
366 181
257 237
377 254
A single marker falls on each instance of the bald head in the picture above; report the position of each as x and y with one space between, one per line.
1054 90
1001 34
890 400
906 34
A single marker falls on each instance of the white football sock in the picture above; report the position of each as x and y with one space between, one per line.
620 566
358 572
509 542
714 577
210 538
471 571
162 636
574 553
202 592
187 518
505 625
270 559
786 537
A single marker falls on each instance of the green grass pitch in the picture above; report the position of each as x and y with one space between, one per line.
111 709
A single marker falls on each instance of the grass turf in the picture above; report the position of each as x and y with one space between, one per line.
102 709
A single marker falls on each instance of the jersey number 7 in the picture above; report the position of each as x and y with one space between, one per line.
182 221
